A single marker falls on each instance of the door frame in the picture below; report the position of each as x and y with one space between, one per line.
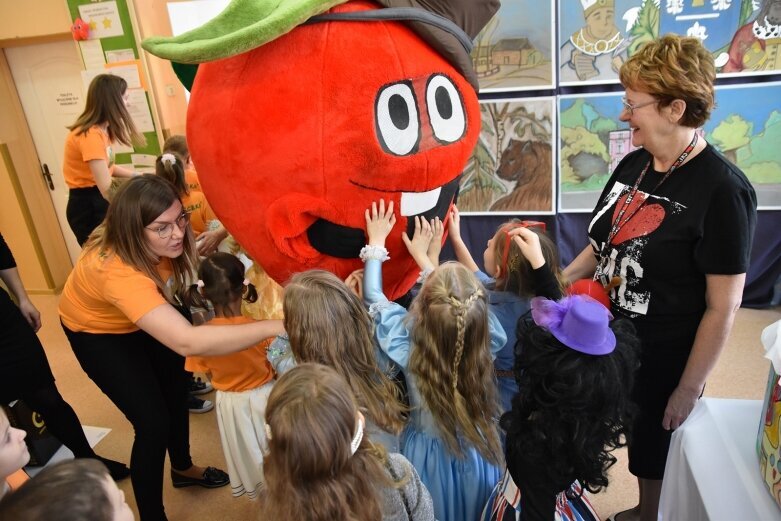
44 230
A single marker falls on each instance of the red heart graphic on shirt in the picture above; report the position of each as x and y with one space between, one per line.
643 222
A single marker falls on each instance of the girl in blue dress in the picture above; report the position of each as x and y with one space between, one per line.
444 347
520 262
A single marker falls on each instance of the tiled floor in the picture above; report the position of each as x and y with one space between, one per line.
741 373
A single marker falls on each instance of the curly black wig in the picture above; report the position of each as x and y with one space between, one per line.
572 409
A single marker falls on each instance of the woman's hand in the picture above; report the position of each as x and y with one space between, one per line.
679 406
529 244
354 281
418 245
379 222
435 247
30 314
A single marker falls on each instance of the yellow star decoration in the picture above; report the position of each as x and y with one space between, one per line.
92 25
106 23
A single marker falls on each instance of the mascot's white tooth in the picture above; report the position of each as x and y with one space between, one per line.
413 203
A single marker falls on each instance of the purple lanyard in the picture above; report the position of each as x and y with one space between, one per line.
618 223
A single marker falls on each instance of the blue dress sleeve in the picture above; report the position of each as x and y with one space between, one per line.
372 282
390 331
485 279
280 356
496 334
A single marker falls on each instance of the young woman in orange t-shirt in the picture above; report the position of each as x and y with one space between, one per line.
88 162
170 167
118 311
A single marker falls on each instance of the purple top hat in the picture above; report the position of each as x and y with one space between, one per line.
579 322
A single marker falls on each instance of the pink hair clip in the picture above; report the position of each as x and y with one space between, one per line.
246 282
200 284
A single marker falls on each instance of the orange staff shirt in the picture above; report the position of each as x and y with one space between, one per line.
236 372
191 179
200 212
103 294
94 144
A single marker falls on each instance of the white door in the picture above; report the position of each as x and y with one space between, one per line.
48 80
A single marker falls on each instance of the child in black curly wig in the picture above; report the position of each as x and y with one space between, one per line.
574 375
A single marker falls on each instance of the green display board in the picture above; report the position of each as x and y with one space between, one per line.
112 49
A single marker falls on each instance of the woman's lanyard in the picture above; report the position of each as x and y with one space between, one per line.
620 221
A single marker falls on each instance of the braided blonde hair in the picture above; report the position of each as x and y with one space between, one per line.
451 361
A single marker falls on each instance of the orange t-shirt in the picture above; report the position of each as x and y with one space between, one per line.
191 180
93 144
236 372
200 211
105 295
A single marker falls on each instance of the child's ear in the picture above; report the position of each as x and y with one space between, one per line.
498 272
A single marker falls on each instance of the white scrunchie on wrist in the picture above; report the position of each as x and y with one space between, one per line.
369 252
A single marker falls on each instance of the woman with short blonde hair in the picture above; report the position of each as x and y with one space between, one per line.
671 236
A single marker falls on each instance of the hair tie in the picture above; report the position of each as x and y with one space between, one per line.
200 284
245 282
357 438
168 158
268 430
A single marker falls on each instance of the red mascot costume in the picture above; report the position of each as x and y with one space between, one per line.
304 112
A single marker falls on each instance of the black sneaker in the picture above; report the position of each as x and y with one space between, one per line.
198 406
197 386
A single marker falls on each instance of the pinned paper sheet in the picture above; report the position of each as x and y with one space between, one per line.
102 18
92 54
138 108
129 70
120 55
143 159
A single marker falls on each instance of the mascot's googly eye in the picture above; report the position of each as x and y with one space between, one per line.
397 120
445 109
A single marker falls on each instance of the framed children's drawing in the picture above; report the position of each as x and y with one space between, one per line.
515 50
511 170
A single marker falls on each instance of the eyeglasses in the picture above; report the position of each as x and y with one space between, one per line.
632 108
164 230
508 238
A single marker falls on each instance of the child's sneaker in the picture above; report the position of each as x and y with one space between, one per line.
197 386
198 406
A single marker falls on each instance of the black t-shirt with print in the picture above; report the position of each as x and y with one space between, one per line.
699 221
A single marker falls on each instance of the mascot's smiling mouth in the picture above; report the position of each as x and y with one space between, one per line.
346 242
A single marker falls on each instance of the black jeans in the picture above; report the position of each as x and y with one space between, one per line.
85 211
147 382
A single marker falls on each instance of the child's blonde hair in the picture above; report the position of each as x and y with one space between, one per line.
451 360
328 324
515 272
310 470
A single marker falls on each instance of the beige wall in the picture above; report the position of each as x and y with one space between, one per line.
169 95
32 19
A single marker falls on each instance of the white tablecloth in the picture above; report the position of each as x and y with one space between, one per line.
713 470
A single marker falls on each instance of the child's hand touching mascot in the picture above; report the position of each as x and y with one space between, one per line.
304 112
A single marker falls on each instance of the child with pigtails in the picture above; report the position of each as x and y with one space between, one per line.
243 380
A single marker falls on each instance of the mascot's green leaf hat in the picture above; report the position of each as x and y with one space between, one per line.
448 26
